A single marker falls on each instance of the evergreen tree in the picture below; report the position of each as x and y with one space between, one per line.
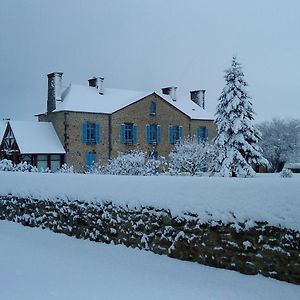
237 138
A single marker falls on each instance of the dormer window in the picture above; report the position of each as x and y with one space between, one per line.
153 108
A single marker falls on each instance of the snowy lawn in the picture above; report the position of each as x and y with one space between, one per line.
39 264
263 198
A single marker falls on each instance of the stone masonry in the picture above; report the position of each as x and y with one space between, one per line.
262 249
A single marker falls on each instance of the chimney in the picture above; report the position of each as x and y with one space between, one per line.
97 82
54 90
171 91
198 97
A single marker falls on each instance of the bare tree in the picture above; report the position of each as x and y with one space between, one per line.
280 142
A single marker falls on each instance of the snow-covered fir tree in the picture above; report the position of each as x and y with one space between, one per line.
237 139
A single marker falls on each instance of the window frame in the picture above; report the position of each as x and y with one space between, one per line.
153 108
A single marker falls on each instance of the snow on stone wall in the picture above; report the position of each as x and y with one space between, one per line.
264 249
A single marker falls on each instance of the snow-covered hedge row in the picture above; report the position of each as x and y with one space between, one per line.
187 158
263 249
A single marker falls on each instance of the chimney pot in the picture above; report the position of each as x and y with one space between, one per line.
97 82
171 91
198 97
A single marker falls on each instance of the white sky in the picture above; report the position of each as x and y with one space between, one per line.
146 45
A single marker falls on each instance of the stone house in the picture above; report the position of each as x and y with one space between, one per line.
95 123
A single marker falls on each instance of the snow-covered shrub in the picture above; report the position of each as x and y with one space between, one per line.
6 165
153 166
65 168
189 157
286 173
133 163
96 168
25 167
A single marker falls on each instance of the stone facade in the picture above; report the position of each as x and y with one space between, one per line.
68 126
262 249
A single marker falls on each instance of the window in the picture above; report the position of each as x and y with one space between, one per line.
202 134
27 158
129 134
153 134
42 162
153 108
175 134
55 162
90 133
90 160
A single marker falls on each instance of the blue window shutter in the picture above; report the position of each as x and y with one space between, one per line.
158 134
171 137
180 132
135 134
200 134
84 132
206 134
97 133
148 134
123 140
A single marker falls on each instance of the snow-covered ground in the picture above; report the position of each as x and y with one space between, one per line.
39 264
264 198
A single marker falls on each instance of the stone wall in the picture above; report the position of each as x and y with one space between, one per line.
263 249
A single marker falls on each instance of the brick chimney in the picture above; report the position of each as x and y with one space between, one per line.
97 82
198 97
171 91
54 90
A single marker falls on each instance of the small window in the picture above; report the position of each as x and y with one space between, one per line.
55 163
42 162
27 158
153 108
129 133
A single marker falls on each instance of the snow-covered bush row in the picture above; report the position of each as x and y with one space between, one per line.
8 165
133 163
187 158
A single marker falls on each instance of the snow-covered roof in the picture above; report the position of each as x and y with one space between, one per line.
36 137
292 165
187 106
87 99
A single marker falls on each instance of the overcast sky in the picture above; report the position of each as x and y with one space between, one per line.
145 45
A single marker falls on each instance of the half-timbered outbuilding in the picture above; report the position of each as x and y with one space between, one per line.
33 142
